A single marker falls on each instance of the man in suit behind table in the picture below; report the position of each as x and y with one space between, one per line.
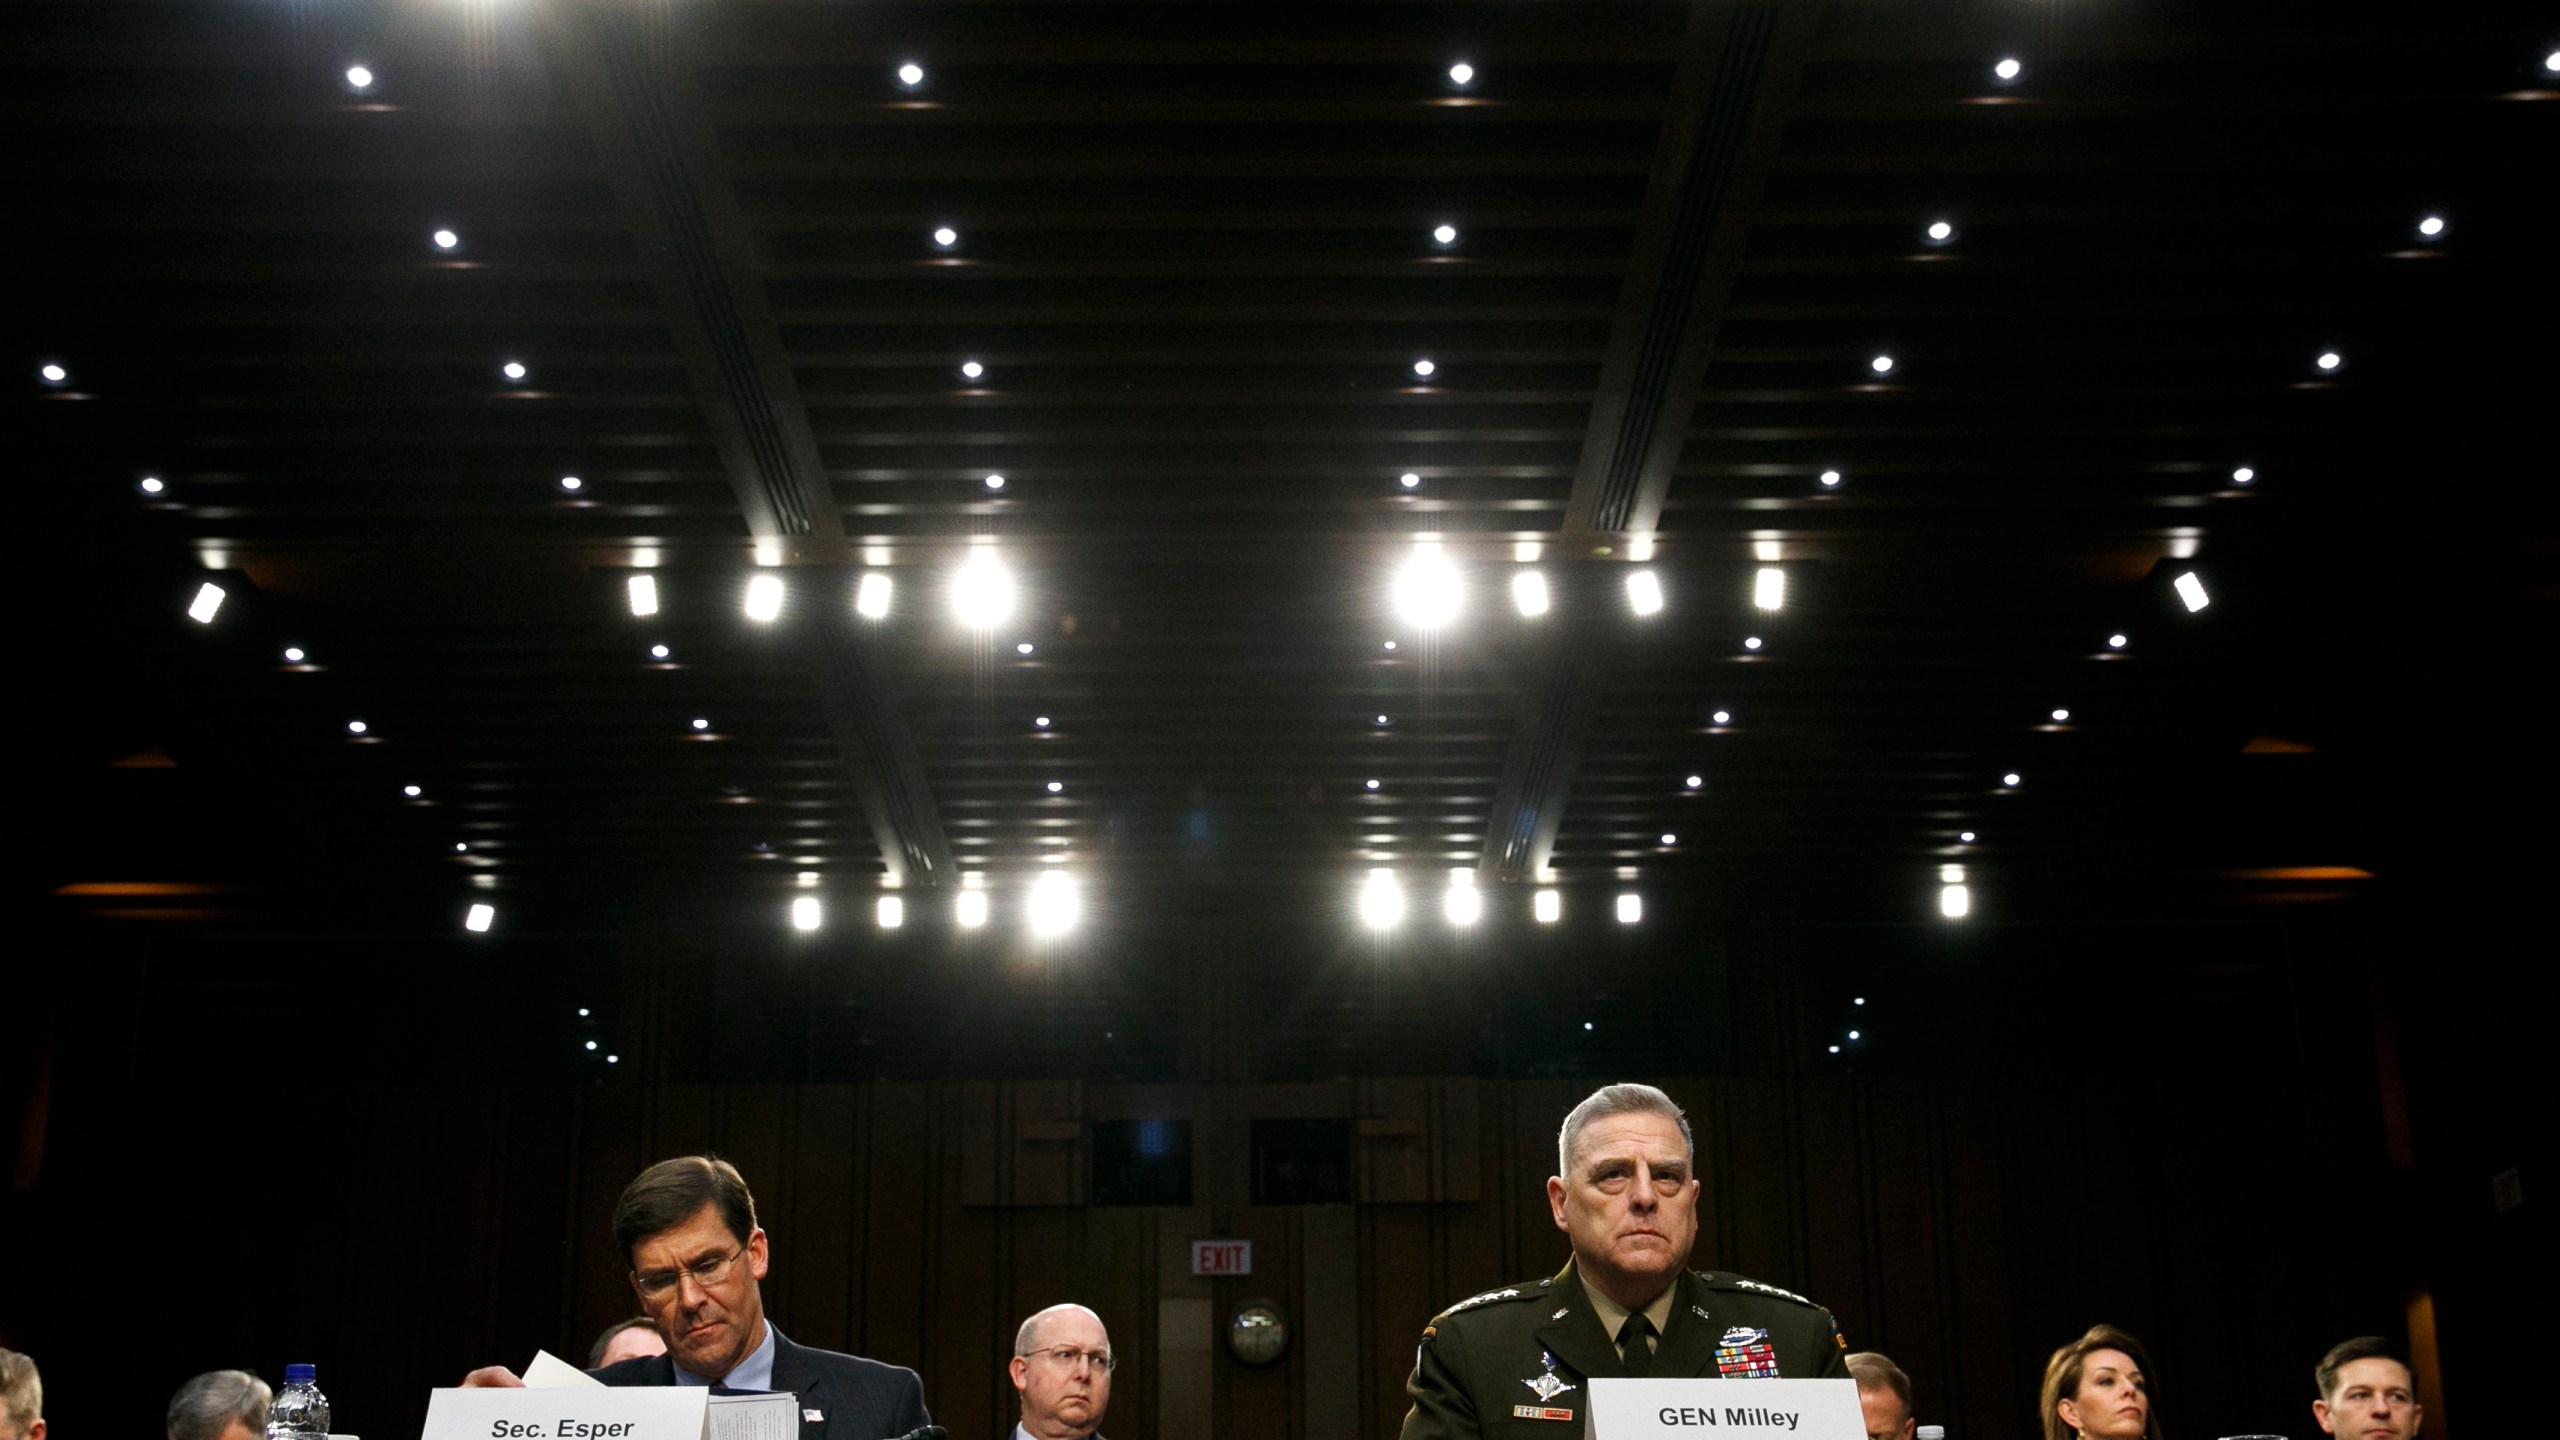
1515 1362
688 1229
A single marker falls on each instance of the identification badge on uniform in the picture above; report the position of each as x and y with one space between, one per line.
1539 1412
1747 1362
1547 1386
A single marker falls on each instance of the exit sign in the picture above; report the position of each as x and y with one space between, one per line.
1221 1257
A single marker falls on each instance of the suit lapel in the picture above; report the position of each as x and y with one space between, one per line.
1688 1341
1575 1337
792 1372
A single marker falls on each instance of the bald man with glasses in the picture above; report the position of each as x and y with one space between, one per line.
688 1229
1061 1370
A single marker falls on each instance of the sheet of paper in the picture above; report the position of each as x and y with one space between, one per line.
550 1372
774 1416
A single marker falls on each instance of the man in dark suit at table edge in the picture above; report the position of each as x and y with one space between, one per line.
687 1228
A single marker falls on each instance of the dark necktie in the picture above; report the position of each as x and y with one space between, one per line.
1631 1338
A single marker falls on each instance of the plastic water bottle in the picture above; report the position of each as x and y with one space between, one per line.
1930 1432
299 1411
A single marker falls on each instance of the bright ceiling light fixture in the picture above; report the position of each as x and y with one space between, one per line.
1669 839
1410 480
764 599
2011 779
2431 227
1940 232
807 914
982 591
911 74
1722 717
1955 901
1830 479
1463 904
971 369
643 590
357 727
152 485
892 912
2061 716
1644 592
412 791
1769 588
513 370
1751 643
871 594
1964 837
994 482
2190 588
2330 362
359 77
445 239
53 374
969 909
2007 69
479 918
1882 364
572 484
206 605
1381 901
1546 907
1428 591
945 236
2119 640
1054 904
1426 368
1462 73
1445 234
1630 908
1693 781
293 654
1529 593
2243 475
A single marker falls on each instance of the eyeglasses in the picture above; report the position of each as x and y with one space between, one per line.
1066 1356
657 1284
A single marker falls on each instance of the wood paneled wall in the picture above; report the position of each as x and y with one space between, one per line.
1963 1227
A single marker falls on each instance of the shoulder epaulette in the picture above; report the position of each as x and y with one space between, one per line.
1507 1292
1736 1282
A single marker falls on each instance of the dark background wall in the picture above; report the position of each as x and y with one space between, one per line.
2242 1141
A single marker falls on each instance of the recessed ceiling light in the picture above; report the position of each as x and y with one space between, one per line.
461 847
1390 644
2431 226
982 590
806 913
2330 361
412 791
53 374
2243 475
1940 232
479 918
359 78
1445 234
206 604
892 912
1529 593
2060 715
1409 480
764 598
1039 722
1830 479
1751 642
1835 1049
911 74
1954 901
658 652
1425 368
1382 719
1853 1035
1462 902
1882 364
1630 908
591 1044
700 723
2190 588
1546 907
1694 781
1057 787
2012 779
1769 588
1462 73
2118 640
946 237
1964 837
356 727
1428 591
293 654
513 370
971 369
1369 784
871 594
445 239
1670 839
151 485
970 909
1722 717
1022 648
1644 592
2008 68
644 594
1381 900
1053 904
572 483
2551 63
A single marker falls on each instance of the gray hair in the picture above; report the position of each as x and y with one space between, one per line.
1624 1099
1873 1371
205 1407
21 1392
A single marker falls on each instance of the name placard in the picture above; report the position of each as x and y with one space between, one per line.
639 1412
1725 1410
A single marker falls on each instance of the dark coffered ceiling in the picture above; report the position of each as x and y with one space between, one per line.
1194 254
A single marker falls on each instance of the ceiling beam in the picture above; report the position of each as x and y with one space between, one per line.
1737 76
628 70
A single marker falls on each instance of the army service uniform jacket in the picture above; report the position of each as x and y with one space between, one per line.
1511 1364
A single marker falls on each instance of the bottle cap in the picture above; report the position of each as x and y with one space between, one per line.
300 1374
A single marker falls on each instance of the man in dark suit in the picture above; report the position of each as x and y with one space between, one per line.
1515 1362
688 1229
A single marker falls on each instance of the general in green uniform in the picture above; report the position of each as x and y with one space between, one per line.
1517 1362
